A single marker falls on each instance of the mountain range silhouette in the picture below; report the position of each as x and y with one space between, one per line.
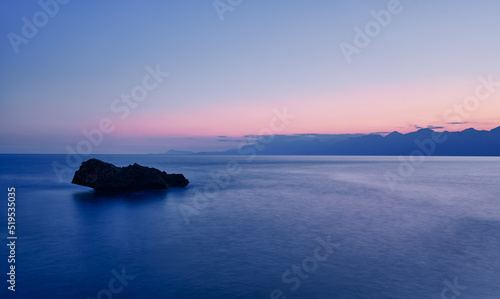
469 142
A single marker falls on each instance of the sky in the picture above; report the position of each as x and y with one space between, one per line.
151 76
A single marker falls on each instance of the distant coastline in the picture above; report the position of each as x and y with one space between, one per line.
469 142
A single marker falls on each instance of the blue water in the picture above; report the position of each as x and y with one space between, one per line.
238 239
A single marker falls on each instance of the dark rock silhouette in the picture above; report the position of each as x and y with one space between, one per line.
104 176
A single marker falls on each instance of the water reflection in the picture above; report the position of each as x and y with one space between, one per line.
129 196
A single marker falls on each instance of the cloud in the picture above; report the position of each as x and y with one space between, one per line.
231 140
432 127
228 139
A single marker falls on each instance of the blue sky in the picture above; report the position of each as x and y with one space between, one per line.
226 77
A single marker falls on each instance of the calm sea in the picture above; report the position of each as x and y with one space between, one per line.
295 226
